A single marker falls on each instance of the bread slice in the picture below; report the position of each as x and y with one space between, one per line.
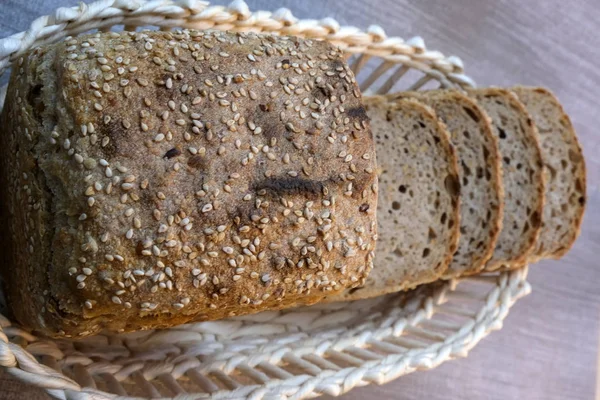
522 175
418 206
565 173
479 172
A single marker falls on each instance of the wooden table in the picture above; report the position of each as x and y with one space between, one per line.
548 347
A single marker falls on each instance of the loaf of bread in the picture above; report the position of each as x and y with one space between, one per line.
418 206
522 174
565 173
479 173
156 178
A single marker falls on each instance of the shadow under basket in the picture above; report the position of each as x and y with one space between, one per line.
298 353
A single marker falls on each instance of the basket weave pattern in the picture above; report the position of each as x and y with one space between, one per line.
302 353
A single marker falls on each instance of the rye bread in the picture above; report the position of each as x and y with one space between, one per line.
522 174
479 173
418 205
564 170
157 178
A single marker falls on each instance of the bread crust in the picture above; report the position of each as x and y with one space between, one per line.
183 176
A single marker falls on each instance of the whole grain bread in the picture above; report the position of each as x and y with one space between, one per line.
522 174
418 206
479 173
564 170
157 178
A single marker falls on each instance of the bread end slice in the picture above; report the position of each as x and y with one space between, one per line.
564 169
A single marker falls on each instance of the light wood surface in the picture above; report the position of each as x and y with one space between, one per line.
548 348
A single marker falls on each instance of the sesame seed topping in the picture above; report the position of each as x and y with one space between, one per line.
192 146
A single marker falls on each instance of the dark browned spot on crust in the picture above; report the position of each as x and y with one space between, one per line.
363 207
139 247
197 162
471 114
321 93
266 107
337 63
174 152
119 142
358 112
290 186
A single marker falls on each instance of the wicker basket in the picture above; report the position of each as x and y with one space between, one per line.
302 353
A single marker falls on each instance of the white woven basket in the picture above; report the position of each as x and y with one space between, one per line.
301 353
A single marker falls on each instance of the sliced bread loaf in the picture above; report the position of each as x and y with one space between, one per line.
479 172
565 172
522 175
418 207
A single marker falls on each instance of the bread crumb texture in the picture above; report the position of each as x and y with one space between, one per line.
564 169
157 178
